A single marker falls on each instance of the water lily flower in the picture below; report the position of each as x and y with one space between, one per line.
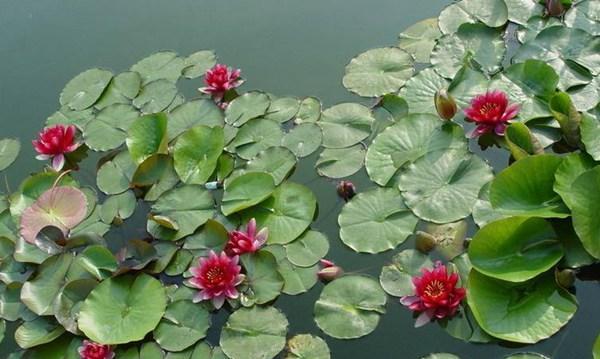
219 80
329 271
217 277
241 242
54 142
91 350
445 104
346 190
436 295
491 112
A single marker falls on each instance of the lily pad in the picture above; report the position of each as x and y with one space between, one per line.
279 162
85 89
520 312
420 90
378 71
282 109
345 125
114 176
375 221
155 96
109 129
132 305
303 139
396 278
147 136
306 346
182 326
122 89
584 15
340 162
193 113
515 192
198 63
493 13
515 249
254 333
69 300
246 191
583 199
39 331
419 39
308 249
520 11
350 307
248 106
196 153
255 136
264 281
310 110
287 212
158 66
444 187
572 166
9 150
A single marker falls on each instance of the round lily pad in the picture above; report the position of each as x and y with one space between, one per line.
419 39
282 109
520 312
279 162
303 139
287 212
155 96
255 136
350 307
308 249
584 201
39 331
310 110
340 162
264 281
516 192
443 187
345 125
375 221
493 13
85 89
572 166
183 324
198 63
378 71
419 91
161 65
132 305
122 89
306 346
193 113
515 249
196 153
246 191
114 176
9 150
296 279
108 130
248 106
254 333
147 136
396 278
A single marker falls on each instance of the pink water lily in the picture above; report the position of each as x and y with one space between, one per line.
54 142
491 113
248 241
217 277
219 80
91 350
436 295
329 270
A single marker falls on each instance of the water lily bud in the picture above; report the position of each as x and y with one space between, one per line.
445 104
346 190
565 277
425 242
554 7
329 271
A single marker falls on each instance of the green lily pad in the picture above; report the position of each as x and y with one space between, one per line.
99 261
520 11
572 166
196 153
308 249
122 89
132 305
147 136
520 312
255 136
483 44
248 106
11 306
340 162
163 65
287 212
345 125
193 113
254 333
583 199
443 187
396 278
188 207
120 206
375 221
182 326
303 139
420 90
264 281
584 15
306 346
596 348
378 71
85 89
9 150
350 307
213 236
114 176
493 13
590 129
411 138
571 52
246 191
296 279
39 292
109 129
279 162
310 110
155 96
515 192
198 63
282 109
419 39
515 249
39 331
69 300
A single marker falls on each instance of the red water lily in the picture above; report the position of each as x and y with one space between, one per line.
91 350
241 242
219 80
436 295
54 142
491 112
217 277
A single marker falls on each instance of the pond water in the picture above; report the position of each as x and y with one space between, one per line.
285 47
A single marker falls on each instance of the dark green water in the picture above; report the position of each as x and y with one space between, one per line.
285 47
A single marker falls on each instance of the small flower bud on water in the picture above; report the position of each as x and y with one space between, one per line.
346 190
554 7
445 104
565 277
425 242
329 271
